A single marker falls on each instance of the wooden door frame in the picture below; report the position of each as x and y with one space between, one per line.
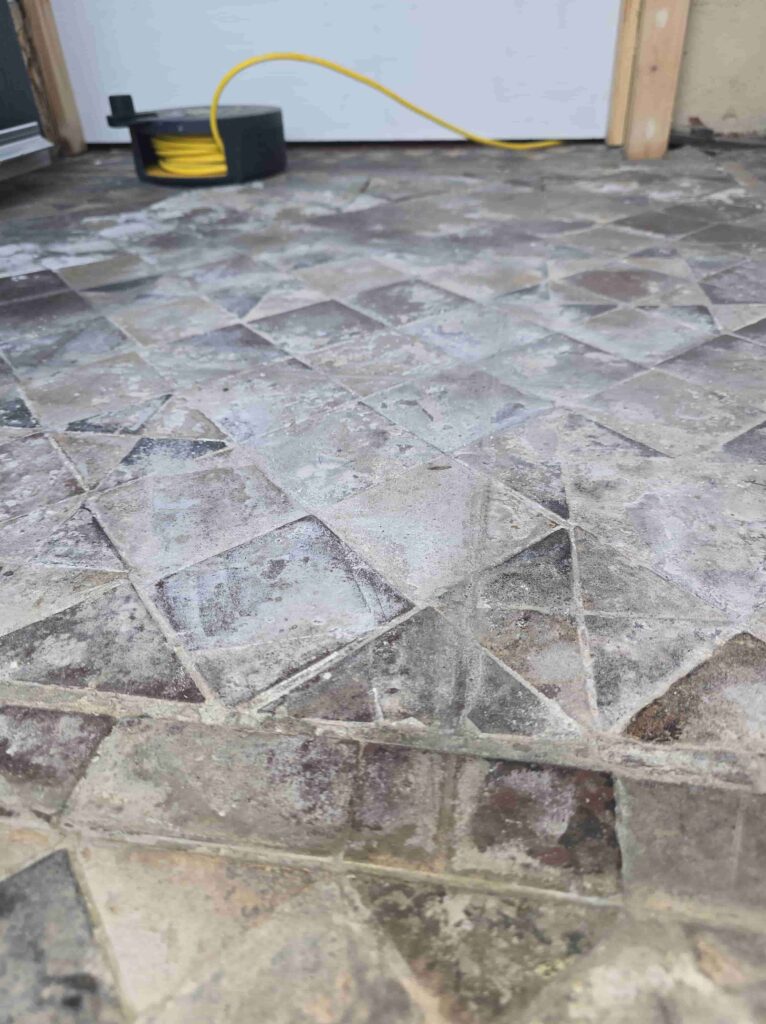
650 42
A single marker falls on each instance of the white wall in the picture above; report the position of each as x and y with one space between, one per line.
509 68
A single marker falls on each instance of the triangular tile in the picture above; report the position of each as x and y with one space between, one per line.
108 643
22 537
503 704
165 455
29 592
53 969
611 584
166 913
94 456
540 576
175 419
719 703
632 657
80 541
122 421
418 670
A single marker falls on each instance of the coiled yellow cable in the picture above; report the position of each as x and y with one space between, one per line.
203 156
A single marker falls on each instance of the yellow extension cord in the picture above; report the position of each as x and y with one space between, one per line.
203 156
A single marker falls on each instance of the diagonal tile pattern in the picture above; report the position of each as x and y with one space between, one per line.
382 591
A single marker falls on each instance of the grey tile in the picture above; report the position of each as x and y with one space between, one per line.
546 826
671 415
93 389
313 327
205 357
330 457
474 333
401 303
396 807
33 318
158 456
748 447
435 524
42 755
509 948
108 643
30 286
636 285
161 523
267 399
54 969
291 792
633 659
697 524
79 542
744 283
41 359
379 361
726 364
558 367
33 474
718 703
639 335
163 322
268 608
455 406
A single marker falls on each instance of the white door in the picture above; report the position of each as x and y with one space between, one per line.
505 68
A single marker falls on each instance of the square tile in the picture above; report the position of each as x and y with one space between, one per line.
477 333
262 611
543 825
640 336
161 523
228 785
456 406
33 474
379 361
313 327
92 388
41 359
164 322
434 525
558 367
330 457
205 357
745 283
345 278
30 286
671 415
33 318
728 364
268 398
401 303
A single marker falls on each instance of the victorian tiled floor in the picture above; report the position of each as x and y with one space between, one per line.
383 591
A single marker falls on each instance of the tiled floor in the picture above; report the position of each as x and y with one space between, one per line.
383 592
